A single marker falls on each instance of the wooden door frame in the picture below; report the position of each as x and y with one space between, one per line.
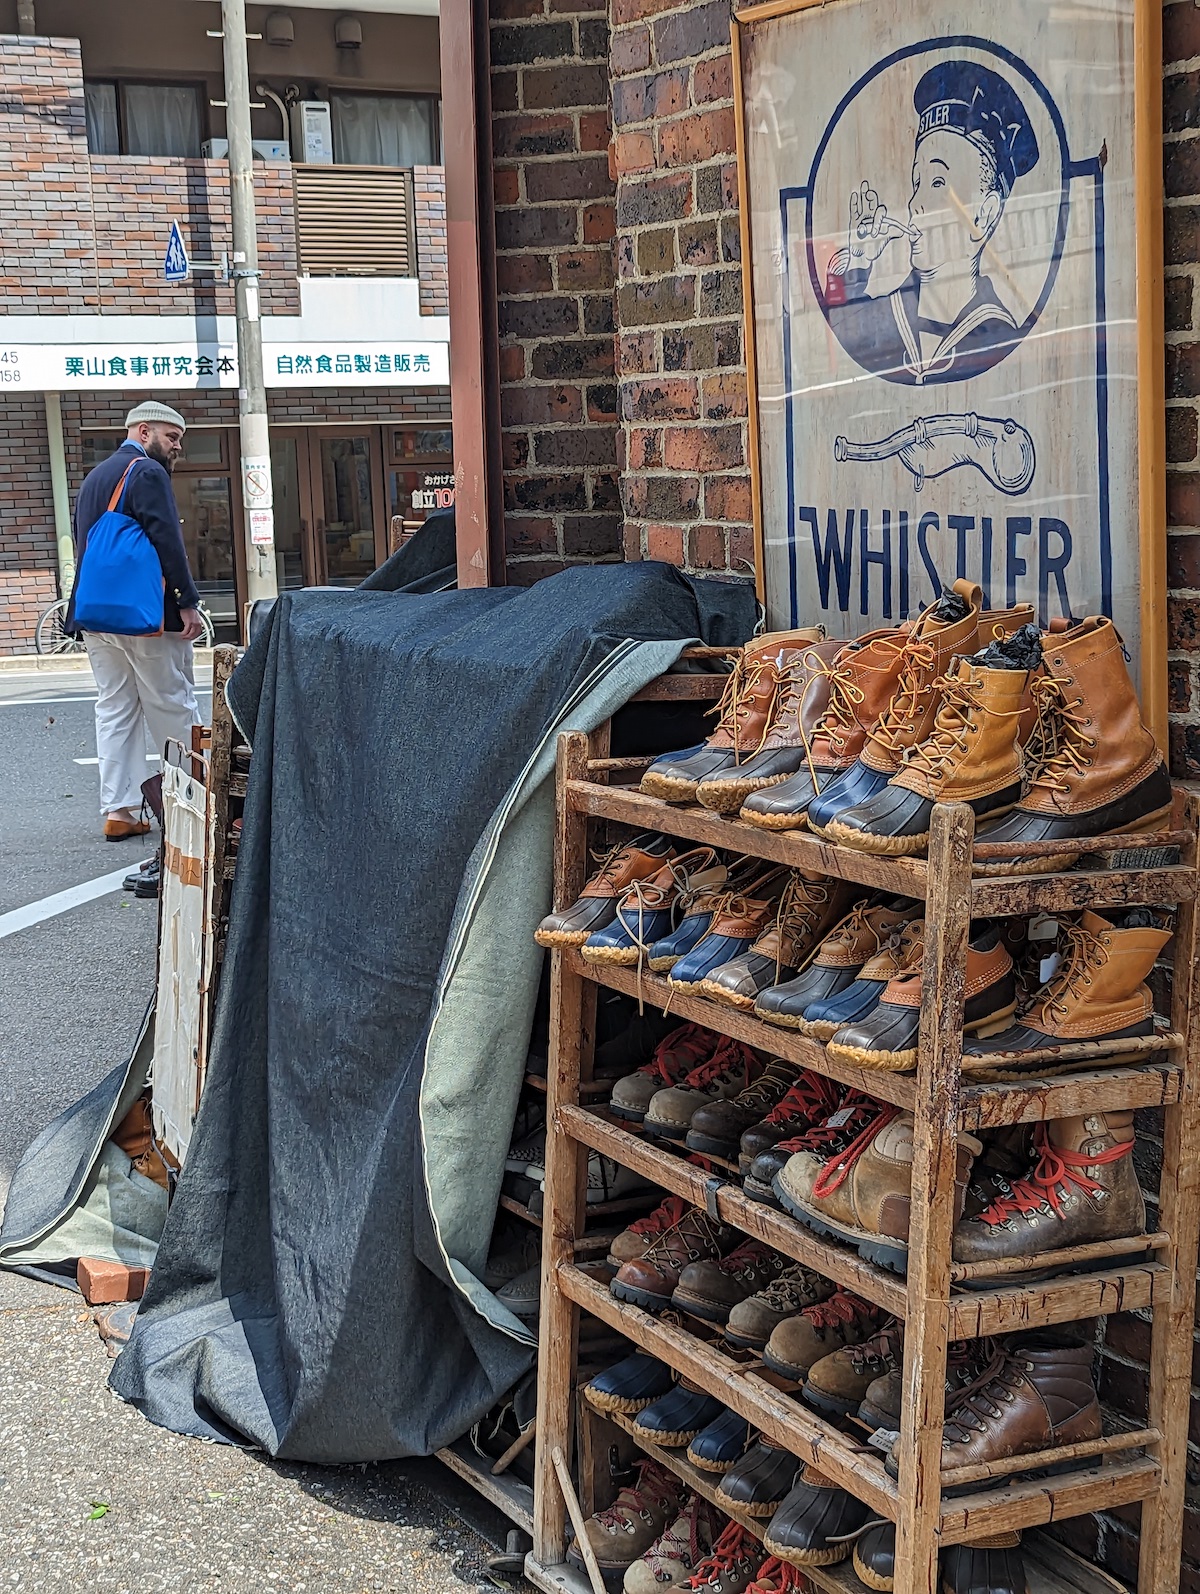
311 563
373 432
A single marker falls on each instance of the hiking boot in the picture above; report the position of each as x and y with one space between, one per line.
972 754
743 715
802 696
598 902
630 1385
678 1416
1106 774
838 1129
888 1037
883 1401
752 1321
777 1577
1006 1156
861 682
904 949
798 1342
809 906
694 914
840 957
725 1074
722 1444
760 1480
512 1252
1035 1395
737 922
805 1103
650 1281
731 1568
626 1529
717 1129
633 1243
678 1552
812 1526
837 1383
674 1058
860 1195
1099 992
1081 1188
648 910
711 1290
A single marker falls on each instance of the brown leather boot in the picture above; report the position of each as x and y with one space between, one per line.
818 1330
1082 1187
711 1290
599 900
715 1130
743 716
809 907
651 1280
840 957
861 683
738 920
882 1403
837 1383
1106 775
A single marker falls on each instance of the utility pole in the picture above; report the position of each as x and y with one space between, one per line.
26 20
261 580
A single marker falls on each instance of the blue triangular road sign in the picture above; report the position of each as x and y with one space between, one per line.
175 261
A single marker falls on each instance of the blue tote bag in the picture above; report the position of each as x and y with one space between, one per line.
120 583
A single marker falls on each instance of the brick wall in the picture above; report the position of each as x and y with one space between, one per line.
429 202
27 559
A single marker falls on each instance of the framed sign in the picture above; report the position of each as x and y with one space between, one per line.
952 258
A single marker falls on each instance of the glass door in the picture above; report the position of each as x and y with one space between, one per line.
293 510
347 488
204 496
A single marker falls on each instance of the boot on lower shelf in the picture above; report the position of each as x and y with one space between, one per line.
597 904
798 1342
673 1059
837 1383
733 1565
839 1128
839 959
882 1404
991 1565
716 1129
673 1557
625 1530
722 1444
806 1103
809 907
630 1385
650 1281
753 1321
812 1526
761 1479
711 1290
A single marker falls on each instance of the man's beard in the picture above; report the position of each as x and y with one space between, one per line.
156 450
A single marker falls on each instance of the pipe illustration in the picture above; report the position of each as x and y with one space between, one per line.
934 444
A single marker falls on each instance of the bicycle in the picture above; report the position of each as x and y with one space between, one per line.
50 638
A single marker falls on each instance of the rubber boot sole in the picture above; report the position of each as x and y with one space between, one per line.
774 821
1051 863
785 1552
626 1406
880 1249
642 1298
719 993
560 938
870 1578
669 788
624 956
732 794
755 1508
903 1061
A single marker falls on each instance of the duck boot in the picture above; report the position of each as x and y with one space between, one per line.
798 1342
743 715
650 1281
807 910
883 1401
862 996
722 1444
761 1479
1081 1188
1098 993
737 922
875 1556
630 1385
600 898
678 1416
726 1073
837 1383
815 1524
752 1322
861 683
1106 774
802 697
806 1103
625 1530
993 1565
648 910
840 957
695 915
711 1290
888 1037
855 1112
861 1195
716 1130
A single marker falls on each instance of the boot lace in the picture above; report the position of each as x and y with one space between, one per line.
812 1096
982 1400
740 696
791 1287
682 1541
701 1239
1085 954
730 1057
671 1212
1067 746
910 698
800 910
761 1094
749 1258
688 1038
828 1138
841 1307
612 861
778 1577
654 1486
837 1169
1044 1188
961 701
735 1544
882 1350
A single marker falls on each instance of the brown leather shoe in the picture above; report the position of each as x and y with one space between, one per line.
809 907
625 1530
121 829
883 1401
807 1102
837 1383
648 909
598 902
752 1322
723 1075
650 1281
711 1290
672 1060
851 943
717 1128
738 920
633 1243
733 1565
817 1331
834 1131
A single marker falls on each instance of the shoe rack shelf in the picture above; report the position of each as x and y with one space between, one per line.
945 1094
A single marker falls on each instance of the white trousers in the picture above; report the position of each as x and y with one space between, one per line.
144 682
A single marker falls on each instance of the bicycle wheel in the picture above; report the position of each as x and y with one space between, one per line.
205 639
50 636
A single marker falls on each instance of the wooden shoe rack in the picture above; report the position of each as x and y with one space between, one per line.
1144 1464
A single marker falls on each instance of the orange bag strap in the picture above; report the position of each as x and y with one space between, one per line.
120 487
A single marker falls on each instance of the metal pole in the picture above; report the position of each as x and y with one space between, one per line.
261 579
56 448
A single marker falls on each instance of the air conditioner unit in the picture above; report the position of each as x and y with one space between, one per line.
312 133
265 149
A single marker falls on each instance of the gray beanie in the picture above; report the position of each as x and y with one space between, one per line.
155 413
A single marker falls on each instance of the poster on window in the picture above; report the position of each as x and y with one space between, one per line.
943 306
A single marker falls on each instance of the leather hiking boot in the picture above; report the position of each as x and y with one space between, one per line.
633 1243
861 682
717 1129
1081 1188
815 1524
888 1037
630 1385
737 922
1099 992
837 1383
835 1131
673 1059
732 1566
810 905
972 755
903 950
752 1321
840 956
798 1342
647 911
711 1290
1006 1156
678 1416
1033 1396
676 1555
883 1401
778 1577
694 914
650 1281
722 1444
598 902
725 1074
807 1102
628 1527
761 1479
1106 774
743 715
802 696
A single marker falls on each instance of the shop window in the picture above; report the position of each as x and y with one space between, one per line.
420 477
385 129
199 448
154 120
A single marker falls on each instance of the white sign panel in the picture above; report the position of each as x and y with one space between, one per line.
356 365
161 367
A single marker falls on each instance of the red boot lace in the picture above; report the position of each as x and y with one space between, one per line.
778 1577
654 1486
841 1307
812 1096
730 1057
692 1040
664 1217
733 1546
859 1110
749 1254
1055 1166
834 1173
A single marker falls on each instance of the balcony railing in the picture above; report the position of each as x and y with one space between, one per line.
355 221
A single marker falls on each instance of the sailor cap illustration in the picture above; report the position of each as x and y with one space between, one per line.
963 97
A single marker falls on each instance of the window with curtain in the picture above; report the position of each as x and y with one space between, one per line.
384 130
103 124
163 120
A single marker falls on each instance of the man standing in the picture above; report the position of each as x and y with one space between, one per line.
141 678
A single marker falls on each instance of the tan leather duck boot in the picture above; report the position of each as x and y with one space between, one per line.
840 957
1106 774
808 908
600 898
738 918
972 756
1081 1188
861 683
743 715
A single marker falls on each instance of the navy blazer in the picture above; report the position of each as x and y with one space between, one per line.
150 501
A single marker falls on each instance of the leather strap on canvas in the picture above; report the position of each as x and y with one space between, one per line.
120 487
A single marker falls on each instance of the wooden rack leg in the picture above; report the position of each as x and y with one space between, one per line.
1179 1215
572 1024
947 929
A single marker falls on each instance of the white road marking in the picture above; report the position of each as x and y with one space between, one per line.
151 758
48 702
62 901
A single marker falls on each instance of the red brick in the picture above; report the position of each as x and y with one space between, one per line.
633 152
629 50
1181 436
550 88
692 139
660 399
713 80
743 555
1181 168
512 10
541 134
625 11
505 96
666 543
643 99
578 178
693 31
636 353
646 449
101 1283
512 363
540 406
594 130
506 185
599 224
524 274
706 548
1183 498
652 303
584 268
724 395
728 498
661 498
601 402
1181 32
632 542
1183 370
703 448
514 450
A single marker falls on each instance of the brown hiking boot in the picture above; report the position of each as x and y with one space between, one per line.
743 716
807 1102
627 1528
1081 1188
674 1057
798 1342
598 902
650 1281
716 1129
840 957
1106 774
633 1243
679 1551
1005 1156
711 1290
861 1193
807 910
752 1322
731 1568
837 1383
883 1401
725 1074
862 680
836 1130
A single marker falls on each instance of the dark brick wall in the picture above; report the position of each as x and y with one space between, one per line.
429 202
